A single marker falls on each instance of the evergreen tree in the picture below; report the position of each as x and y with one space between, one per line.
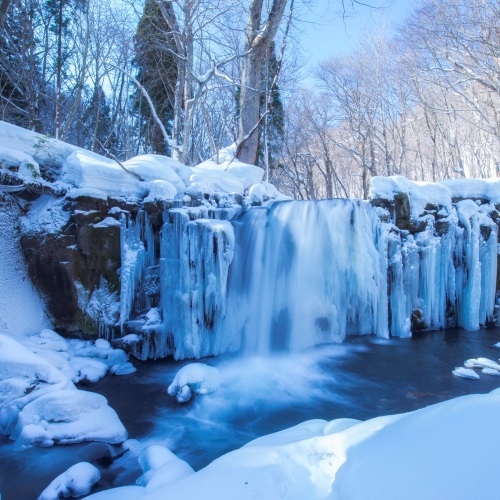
157 73
20 77
271 132
61 12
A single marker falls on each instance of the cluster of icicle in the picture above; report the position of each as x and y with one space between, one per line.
298 274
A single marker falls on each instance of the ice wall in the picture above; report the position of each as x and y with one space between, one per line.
195 259
297 274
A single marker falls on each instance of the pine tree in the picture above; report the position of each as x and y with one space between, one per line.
157 72
21 83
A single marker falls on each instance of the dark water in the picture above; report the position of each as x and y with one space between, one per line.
361 378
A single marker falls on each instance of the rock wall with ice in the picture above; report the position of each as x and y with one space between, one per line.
168 279
296 274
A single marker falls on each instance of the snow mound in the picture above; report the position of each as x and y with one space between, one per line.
161 190
67 416
170 468
194 377
88 170
75 482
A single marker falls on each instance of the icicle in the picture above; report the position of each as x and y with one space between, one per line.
133 257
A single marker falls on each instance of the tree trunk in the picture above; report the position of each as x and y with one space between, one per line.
59 69
257 41
250 105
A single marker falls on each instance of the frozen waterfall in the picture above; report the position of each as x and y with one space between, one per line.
298 274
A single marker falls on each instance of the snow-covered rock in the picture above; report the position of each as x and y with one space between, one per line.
77 481
67 416
24 377
40 406
420 193
482 189
194 377
465 373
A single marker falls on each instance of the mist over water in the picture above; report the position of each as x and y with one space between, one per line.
257 395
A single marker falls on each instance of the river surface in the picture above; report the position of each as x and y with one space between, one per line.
361 378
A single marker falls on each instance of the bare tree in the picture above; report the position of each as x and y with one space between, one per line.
258 35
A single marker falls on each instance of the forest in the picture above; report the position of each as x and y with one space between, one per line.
186 78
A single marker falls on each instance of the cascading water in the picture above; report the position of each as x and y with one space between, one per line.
298 274
307 273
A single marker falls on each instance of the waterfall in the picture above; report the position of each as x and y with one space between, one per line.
298 274
307 273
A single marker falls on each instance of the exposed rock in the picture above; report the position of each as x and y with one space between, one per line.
417 321
442 227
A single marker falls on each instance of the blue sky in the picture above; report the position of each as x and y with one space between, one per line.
326 33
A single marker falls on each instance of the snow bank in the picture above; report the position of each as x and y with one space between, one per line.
194 377
448 450
88 170
420 193
22 311
75 482
40 406
483 189
158 176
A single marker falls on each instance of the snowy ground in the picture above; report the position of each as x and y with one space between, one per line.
446 450
26 155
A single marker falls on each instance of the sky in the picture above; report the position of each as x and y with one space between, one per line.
327 33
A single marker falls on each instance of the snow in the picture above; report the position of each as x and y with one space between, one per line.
465 373
194 377
24 377
76 193
161 190
89 369
39 405
46 215
131 338
67 416
78 359
420 193
108 222
446 450
483 189
75 482
102 344
160 177
491 371
17 293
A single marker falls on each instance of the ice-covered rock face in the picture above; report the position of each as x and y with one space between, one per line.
299 274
